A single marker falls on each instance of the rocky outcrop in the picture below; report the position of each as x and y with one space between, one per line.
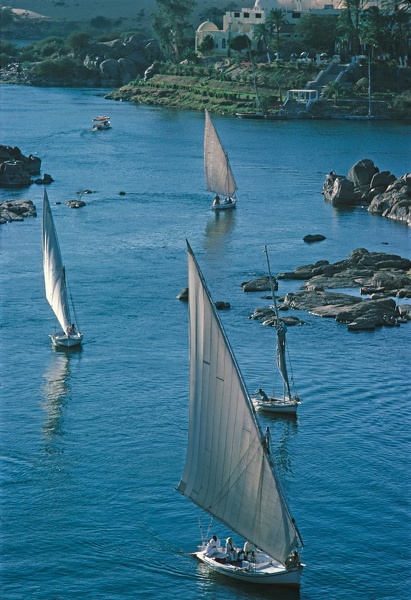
381 190
310 238
268 318
262 284
338 190
395 201
16 210
15 168
120 61
75 203
378 275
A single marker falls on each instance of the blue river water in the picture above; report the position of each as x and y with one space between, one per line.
93 442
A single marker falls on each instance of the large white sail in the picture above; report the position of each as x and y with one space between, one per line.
228 470
218 174
54 273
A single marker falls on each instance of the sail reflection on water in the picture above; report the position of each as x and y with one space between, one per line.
56 393
217 229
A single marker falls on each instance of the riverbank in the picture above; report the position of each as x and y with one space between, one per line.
229 98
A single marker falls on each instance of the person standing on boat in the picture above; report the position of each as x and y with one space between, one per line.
249 551
71 330
212 546
231 549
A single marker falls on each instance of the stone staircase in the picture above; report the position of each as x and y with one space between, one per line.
333 72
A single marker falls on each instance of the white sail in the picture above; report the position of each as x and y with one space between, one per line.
218 174
54 272
228 470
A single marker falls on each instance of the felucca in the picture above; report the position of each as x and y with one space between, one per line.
285 403
56 284
218 174
229 472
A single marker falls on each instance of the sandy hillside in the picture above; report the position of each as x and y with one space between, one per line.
129 10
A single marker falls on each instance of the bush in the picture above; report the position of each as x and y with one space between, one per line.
401 105
59 68
78 40
48 47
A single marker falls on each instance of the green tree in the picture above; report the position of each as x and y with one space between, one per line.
262 33
170 22
398 13
214 14
100 22
333 90
6 17
317 32
375 30
239 43
78 40
207 45
60 68
274 22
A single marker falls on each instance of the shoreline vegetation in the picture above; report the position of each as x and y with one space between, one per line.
136 70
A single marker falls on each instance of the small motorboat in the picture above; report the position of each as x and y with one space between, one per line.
101 122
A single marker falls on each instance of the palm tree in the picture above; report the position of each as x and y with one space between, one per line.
262 33
274 22
333 90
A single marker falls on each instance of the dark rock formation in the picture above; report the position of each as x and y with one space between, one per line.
75 203
220 305
46 180
362 173
16 210
338 190
383 193
119 61
377 274
313 237
15 168
262 284
395 201
268 318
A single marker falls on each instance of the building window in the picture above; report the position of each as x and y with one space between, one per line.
237 15
246 15
258 15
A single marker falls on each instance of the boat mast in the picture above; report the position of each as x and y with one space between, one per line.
281 333
369 85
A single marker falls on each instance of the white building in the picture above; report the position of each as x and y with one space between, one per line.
235 23
244 21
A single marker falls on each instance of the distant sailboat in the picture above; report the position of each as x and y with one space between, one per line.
218 174
229 472
55 282
286 403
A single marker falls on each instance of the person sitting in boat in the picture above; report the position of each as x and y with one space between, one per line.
71 330
231 549
216 200
263 395
212 546
241 554
249 551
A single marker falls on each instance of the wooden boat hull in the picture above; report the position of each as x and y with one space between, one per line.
224 205
276 405
60 340
250 115
265 574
